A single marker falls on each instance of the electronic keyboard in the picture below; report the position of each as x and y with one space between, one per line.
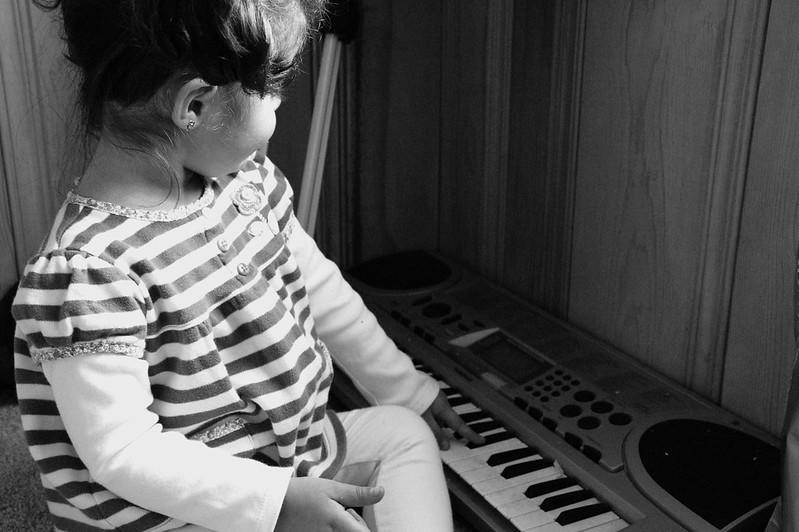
578 436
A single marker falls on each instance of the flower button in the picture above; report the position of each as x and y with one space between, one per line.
244 269
248 199
256 228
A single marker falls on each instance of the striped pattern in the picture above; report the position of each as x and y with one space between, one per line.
215 303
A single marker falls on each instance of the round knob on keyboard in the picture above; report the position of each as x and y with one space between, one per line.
584 396
571 411
602 407
436 310
588 422
620 418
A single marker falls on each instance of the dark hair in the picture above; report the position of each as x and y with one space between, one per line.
126 50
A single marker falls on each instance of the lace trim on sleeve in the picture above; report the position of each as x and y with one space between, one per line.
86 348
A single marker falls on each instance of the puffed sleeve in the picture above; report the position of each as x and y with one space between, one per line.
70 303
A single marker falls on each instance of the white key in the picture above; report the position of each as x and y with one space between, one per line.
492 485
517 508
479 475
459 451
513 493
546 527
532 520
591 522
612 526
480 455
466 408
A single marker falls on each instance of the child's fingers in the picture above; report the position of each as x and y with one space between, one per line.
452 420
349 495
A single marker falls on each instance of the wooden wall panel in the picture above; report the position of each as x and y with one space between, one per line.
36 119
761 347
464 184
398 124
650 84
546 66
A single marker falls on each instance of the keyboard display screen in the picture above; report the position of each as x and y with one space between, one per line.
509 358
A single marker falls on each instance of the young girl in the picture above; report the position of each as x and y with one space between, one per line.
176 328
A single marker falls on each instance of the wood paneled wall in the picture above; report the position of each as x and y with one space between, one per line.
36 113
630 166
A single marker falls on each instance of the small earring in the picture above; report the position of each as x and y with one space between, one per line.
190 125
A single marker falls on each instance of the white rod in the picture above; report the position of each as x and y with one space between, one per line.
317 138
320 163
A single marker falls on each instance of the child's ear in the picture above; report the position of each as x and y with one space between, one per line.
192 103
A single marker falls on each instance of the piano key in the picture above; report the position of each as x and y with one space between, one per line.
475 470
505 457
543 521
475 459
584 512
512 493
459 450
465 409
546 488
539 499
563 500
523 468
519 508
533 520
476 415
457 400
491 437
590 522
612 526
492 485
484 426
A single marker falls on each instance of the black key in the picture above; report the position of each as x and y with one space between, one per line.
492 438
565 499
457 401
509 456
583 512
449 390
523 468
470 417
548 486
485 426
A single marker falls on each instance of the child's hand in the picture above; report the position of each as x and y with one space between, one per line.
320 504
439 415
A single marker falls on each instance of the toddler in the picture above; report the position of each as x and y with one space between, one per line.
175 330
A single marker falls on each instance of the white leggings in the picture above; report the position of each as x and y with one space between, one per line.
393 447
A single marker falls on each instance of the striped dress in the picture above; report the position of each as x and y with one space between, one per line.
214 298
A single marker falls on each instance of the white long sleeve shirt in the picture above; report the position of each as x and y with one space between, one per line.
159 351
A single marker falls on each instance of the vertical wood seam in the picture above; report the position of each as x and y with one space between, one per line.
733 127
499 46
562 149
